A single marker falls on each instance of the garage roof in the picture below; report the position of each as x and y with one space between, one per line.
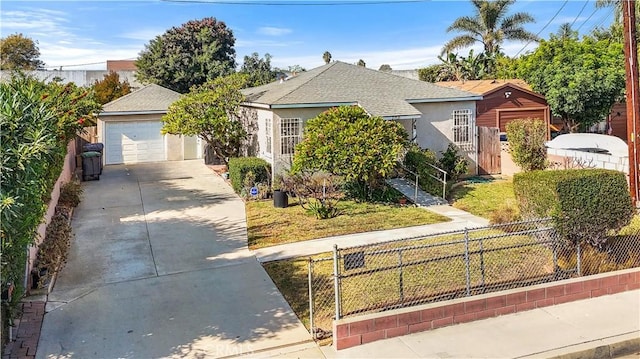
485 87
149 99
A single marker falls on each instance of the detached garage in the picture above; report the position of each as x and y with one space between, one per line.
130 129
503 101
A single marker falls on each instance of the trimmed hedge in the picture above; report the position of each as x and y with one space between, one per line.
240 166
585 203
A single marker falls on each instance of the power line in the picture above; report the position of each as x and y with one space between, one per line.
86 64
545 26
602 21
589 18
580 13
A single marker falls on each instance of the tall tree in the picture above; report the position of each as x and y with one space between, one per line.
491 26
326 57
211 112
580 79
110 88
192 54
258 70
18 52
362 63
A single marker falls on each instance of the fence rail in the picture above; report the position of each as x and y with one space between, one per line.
383 276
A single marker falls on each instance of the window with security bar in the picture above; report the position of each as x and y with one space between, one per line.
268 130
290 133
462 127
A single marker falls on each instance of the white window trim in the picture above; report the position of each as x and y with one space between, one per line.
290 135
268 126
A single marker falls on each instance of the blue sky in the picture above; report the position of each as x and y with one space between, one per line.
406 35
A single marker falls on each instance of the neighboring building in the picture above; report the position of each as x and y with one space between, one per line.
130 128
503 101
81 77
121 65
433 116
617 121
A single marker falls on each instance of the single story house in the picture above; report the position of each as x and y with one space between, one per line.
130 128
433 115
503 101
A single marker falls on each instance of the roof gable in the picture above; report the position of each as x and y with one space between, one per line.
379 93
151 98
485 87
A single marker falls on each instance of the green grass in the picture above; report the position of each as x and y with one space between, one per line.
382 288
633 228
269 226
483 199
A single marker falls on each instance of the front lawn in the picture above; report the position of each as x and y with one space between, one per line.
268 226
483 199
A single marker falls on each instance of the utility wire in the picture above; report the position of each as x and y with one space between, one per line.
589 18
580 13
544 27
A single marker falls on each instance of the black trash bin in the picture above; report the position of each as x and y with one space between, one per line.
94 147
280 199
91 165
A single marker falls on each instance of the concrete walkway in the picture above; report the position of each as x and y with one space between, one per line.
408 189
159 268
459 221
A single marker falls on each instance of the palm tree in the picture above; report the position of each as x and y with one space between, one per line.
490 26
326 57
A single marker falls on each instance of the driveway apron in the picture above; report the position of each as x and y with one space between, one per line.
159 267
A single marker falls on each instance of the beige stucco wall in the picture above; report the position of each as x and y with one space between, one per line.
435 127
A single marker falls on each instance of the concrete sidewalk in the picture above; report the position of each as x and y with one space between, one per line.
602 327
459 221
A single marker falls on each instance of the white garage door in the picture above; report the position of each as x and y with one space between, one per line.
132 142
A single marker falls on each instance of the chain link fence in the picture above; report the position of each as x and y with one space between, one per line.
394 274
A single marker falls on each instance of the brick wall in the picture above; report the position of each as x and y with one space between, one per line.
364 329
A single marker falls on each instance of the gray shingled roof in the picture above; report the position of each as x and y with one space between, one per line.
379 93
151 98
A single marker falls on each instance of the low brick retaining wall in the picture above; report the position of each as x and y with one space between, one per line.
363 329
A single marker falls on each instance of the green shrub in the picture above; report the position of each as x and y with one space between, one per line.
526 143
506 213
586 204
419 160
241 166
348 142
454 163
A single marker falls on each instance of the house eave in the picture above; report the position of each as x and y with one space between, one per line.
314 105
255 104
125 113
401 117
449 99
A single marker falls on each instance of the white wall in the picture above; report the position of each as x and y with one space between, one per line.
577 159
80 77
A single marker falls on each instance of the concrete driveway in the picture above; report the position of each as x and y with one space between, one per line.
159 268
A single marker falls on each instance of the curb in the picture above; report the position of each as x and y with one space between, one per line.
612 347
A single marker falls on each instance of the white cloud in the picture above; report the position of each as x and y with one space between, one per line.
143 34
273 31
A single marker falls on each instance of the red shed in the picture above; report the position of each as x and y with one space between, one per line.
503 101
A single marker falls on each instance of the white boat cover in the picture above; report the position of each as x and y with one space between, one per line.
590 142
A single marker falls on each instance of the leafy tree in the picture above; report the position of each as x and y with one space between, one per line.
110 88
258 70
192 54
211 112
362 63
385 67
526 143
346 141
434 73
326 57
580 79
18 52
490 25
